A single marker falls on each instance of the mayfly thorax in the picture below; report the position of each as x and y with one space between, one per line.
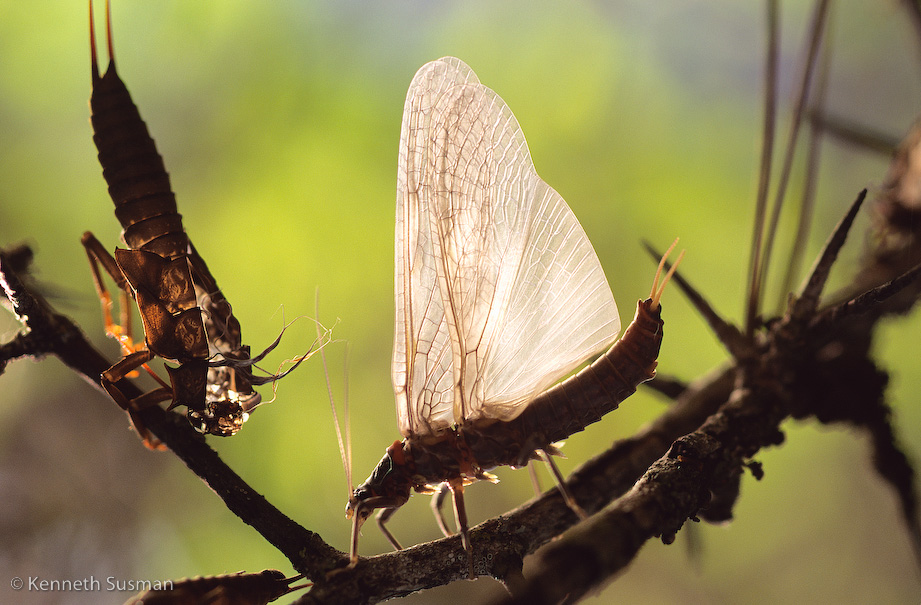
186 318
499 295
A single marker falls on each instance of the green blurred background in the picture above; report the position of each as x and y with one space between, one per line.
279 125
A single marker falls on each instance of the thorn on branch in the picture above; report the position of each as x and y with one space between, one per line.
870 301
808 300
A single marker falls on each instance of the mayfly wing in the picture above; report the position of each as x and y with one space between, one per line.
505 292
421 347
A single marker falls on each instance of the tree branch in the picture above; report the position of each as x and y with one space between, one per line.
48 332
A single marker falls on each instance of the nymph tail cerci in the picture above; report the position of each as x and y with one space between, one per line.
185 316
499 295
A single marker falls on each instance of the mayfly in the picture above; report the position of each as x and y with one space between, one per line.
238 588
499 295
185 316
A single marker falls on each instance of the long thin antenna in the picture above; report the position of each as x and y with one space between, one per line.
345 450
348 419
852 133
767 154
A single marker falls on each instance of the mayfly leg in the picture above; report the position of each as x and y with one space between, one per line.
561 484
460 513
437 504
121 331
382 517
100 257
456 488
535 480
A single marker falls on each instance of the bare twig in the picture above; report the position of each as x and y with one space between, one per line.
807 199
764 174
816 29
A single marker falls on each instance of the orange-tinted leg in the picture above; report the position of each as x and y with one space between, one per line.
100 257
120 370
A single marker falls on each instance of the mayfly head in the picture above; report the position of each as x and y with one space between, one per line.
388 487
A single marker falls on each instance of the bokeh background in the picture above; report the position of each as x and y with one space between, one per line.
279 125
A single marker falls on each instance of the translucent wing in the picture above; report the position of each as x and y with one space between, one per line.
499 293
421 350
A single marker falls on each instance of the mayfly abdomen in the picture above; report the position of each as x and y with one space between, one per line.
575 403
134 171
612 378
